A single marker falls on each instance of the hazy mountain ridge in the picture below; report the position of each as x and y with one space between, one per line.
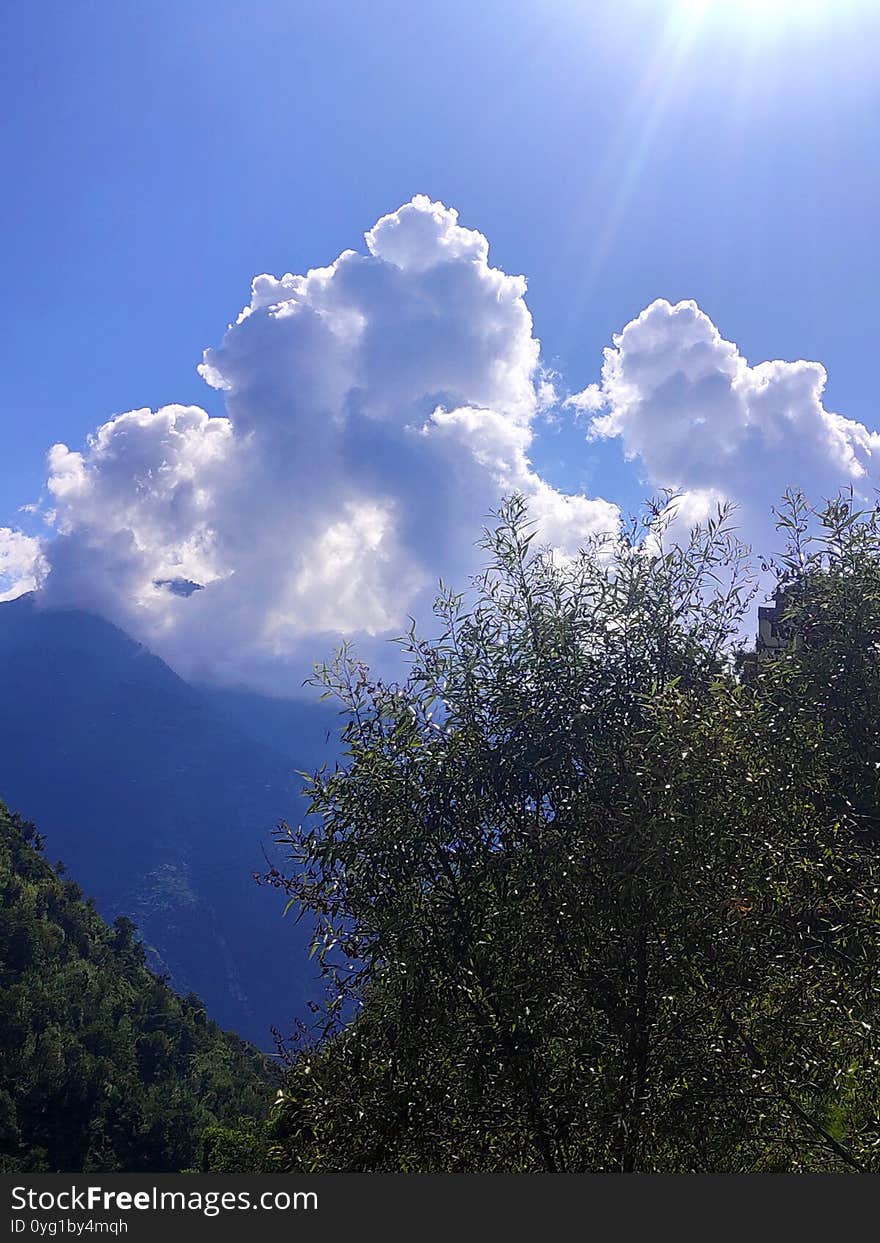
160 803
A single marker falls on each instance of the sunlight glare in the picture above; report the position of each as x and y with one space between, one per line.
758 12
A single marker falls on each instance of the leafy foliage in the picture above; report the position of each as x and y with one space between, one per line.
586 899
102 1066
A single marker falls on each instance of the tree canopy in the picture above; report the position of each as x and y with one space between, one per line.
588 899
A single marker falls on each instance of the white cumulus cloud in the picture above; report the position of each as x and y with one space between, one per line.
688 406
375 411
22 565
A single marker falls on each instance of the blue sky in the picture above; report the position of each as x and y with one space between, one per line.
158 155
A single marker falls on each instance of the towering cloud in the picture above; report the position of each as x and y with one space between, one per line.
376 410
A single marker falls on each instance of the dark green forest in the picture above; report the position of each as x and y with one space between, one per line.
102 1066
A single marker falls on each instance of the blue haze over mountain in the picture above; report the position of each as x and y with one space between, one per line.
161 800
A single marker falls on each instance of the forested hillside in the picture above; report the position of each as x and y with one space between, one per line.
102 1066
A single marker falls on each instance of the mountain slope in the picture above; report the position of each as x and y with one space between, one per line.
160 805
102 1066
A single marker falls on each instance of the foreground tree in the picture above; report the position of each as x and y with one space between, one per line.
584 900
